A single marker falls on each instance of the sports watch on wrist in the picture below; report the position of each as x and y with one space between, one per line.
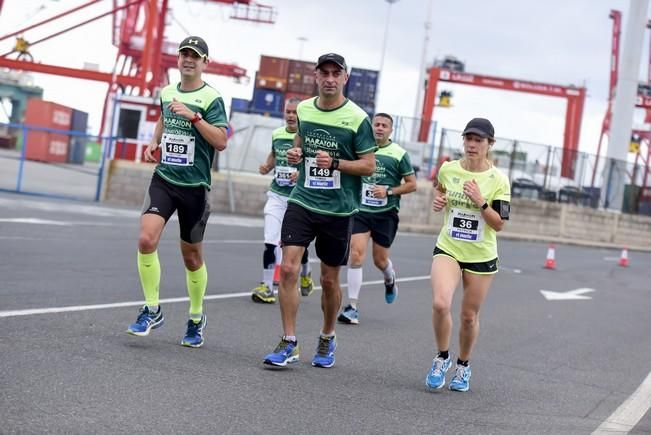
389 192
484 206
197 117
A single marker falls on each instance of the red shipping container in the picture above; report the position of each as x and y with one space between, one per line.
273 67
46 114
57 147
272 73
301 77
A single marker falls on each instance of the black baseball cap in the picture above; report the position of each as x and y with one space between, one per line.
481 127
195 43
335 58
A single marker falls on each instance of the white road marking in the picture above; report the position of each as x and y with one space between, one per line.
234 242
114 212
34 221
37 221
34 311
572 295
630 412
509 269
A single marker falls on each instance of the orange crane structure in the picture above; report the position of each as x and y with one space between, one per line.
575 97
144 56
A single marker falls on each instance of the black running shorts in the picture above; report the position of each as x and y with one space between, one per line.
332 233
482 268
383 226
190 203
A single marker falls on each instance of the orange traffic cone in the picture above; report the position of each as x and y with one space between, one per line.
623 259
550 262
277 274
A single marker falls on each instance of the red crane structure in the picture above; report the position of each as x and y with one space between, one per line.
144 56
575 97
643 101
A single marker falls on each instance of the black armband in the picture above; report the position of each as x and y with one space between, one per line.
503 208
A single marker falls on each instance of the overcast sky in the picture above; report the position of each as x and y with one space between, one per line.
553 41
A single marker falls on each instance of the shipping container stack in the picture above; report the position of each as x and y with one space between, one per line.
277 80
361 88
47 146
300 80
270 86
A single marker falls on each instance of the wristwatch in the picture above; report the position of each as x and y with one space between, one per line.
197 117
389 192
484 206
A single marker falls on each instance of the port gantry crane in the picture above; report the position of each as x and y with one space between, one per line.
144 56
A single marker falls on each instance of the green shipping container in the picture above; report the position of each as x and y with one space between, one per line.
93 152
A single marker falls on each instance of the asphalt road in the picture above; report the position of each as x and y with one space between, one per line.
540 366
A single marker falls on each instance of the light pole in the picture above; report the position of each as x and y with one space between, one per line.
301 42
421 73
384 47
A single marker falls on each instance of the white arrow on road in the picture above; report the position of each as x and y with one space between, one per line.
571 295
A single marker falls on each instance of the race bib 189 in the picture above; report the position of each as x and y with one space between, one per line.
177 149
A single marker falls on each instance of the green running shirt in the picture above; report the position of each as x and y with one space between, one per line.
392 164
345 133
186 157
465 235
281 141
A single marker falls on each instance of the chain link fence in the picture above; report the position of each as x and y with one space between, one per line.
548 173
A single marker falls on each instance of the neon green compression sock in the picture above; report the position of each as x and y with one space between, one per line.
197 282
149 270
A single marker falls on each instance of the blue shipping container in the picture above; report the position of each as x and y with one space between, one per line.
240 105
77 148
269 102
361 86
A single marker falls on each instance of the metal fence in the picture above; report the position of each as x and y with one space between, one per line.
250 143
53 163
549 173
536 171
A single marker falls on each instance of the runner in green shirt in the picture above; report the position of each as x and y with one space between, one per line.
334 149
476 199
191 127
378 216
282 139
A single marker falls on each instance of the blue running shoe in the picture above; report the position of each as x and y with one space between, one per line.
391 290
325 352
287 352
461 379
194 334
349 315
146 321
436 377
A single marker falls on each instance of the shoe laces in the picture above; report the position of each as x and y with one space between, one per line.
193 328
145 314
459 374
437 369
284 344
324 345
